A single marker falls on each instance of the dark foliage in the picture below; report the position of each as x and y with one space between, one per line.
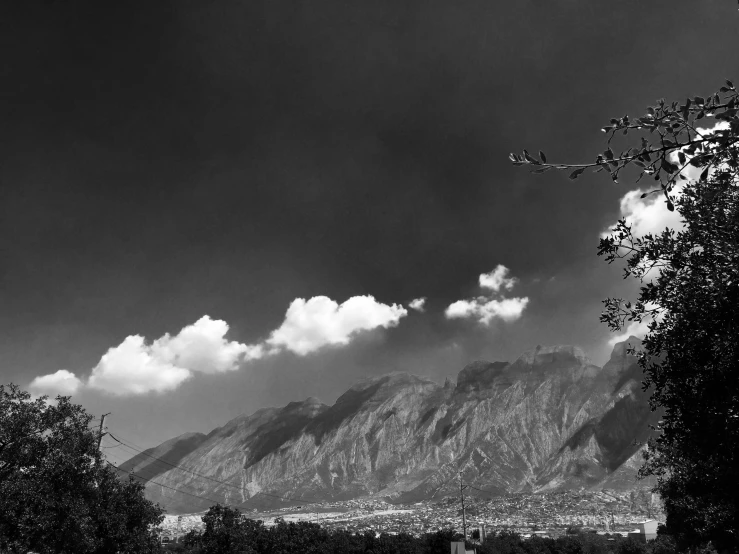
689 296
56 494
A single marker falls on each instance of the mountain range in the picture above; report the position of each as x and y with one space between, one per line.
549 420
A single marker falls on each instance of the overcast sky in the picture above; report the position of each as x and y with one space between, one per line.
211 207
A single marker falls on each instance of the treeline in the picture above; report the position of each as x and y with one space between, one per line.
226 533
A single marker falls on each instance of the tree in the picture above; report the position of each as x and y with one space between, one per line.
56 494
689 294
225 532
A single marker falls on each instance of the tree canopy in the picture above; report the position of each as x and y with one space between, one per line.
689 295
227 531
56 493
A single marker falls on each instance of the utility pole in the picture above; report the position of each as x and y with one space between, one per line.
464 518
100 433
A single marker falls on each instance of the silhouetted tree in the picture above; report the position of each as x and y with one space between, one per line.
689 296
56 494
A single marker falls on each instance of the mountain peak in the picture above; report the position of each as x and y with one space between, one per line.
548 355
308 407
479 375
620 348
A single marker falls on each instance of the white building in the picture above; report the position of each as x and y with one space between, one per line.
646 530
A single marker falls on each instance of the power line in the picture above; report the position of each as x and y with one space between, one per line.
482 490
160 460
444 484
193 485
142 480
225 483
199 497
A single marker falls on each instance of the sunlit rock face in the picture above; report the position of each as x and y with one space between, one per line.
548 420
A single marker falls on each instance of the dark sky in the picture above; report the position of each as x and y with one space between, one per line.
160 161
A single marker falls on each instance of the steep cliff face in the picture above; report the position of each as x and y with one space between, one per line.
148 465
610 441
548 420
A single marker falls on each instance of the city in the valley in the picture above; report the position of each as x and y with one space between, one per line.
551 514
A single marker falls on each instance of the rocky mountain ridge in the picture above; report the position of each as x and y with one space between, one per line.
549 420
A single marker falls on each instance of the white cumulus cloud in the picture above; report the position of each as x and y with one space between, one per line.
497 279
62 382
133 367
202 347
647 215
495 305
312 324
137 367
418 304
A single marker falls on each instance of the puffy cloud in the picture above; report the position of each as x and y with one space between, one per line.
62 382
136 366
133 367
418 304
202 347
312 324
487 308
496 279
647 215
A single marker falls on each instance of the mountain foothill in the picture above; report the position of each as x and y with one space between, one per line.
550 420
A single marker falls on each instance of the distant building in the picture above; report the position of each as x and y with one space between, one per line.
478 533
647 530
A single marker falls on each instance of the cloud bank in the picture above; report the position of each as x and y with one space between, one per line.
486 308
136 367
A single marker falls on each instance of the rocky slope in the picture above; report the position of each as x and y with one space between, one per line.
549 420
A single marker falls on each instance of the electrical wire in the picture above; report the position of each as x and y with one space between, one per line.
175 466
482 490
444 484
144 481
225 483
199 497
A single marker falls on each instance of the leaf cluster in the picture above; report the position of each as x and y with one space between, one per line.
673 129
56 495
